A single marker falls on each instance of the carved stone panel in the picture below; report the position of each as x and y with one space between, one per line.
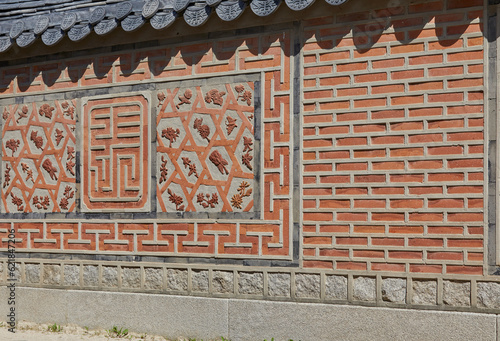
205 148
38 157
115 168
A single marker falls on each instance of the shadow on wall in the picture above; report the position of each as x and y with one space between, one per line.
398 21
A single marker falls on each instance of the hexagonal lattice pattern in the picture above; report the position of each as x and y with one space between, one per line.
39 158
205 152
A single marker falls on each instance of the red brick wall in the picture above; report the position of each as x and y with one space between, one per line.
393 139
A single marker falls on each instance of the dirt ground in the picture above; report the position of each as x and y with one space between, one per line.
27 331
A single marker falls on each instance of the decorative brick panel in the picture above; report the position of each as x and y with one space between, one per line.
116 153
38 157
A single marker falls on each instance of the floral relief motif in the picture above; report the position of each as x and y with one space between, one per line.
17 201
37 140
230 124
46 110
176 200
12 144
23 113
219 161
215 96
68 194
206 200
6 181
192 167
203 129
41 202
29 173
170 134
185 99
237 199
47 165
163 169
243 95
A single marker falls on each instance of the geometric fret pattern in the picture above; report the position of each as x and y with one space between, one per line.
115 153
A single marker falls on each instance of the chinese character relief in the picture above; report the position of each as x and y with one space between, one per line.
204 148
38 157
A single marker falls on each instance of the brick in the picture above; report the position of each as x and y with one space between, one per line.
345 216
465 163
369 153
387 140
390 267
476 122
315 70
445 229
408 229
317 191
406 152
323 118
407 48
436 269
369 128
387 190
351 241
449 97
406 254
388 216
318 240
371 77
425 138
352 117
351 141
363 103
445 177
475 95
334 81
465 217
444 124
317 264
372 52
318 94
465 243
465 109
388 63
318 167
352 67
384 114
406 203
405 100
446 71
334 155
369 178
386 89
407 177
445 255
445 44
446 203
334 179
476 149
475 257
427 59
425 242
334 253
425 164
465 83
351 266
352 92
451 150
428 33
318 216
370 229
388 165
466 136
367 254
388 241
475 203
423 86
407 126
475 68
351 191
475 230
329 56
333 229
369 203
475 41
463 29
317 143
425 7
418 112
426 217
464 269
465 189
353 166
330 203
425 190
308 204
407 74
473 176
